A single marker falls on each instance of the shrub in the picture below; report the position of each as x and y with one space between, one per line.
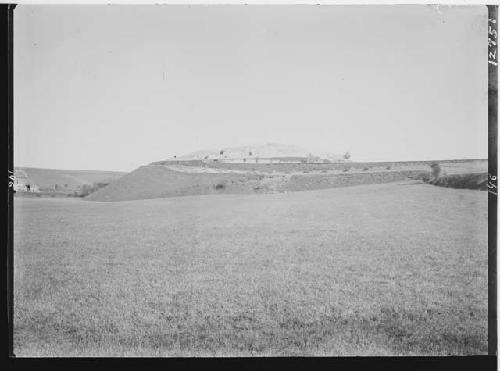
91 188
220 186
366 168
388 168
467 181
347 169
436 171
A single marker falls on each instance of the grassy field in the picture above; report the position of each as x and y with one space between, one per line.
387 269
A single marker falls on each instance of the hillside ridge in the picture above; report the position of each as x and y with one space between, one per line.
267 150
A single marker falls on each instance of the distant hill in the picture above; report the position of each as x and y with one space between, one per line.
263 150
67 179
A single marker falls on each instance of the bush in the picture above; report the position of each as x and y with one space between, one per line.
464 181
436 171
220 186
91 188
366 168
388 168
347 169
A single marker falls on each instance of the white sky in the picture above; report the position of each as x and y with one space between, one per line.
116 87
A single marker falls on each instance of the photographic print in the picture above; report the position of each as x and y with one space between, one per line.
250 180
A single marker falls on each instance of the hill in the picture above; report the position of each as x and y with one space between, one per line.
67 179
264 150
195 178
157 181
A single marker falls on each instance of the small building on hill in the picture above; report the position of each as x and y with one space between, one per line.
20 180
22 183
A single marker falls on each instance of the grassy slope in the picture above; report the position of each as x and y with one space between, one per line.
47 178
379 269
158 181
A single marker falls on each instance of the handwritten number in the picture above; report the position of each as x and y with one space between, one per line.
492 42
491 186
12 179
492 32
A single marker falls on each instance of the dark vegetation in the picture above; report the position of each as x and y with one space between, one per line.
439 178
90 188
220 186
463 181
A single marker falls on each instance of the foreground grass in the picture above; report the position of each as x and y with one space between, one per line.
394 269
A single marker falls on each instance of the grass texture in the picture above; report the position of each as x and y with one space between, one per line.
386 269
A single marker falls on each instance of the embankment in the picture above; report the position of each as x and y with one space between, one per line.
158 181
154 181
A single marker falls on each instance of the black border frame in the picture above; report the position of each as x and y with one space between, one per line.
6 82
492 175
488 362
